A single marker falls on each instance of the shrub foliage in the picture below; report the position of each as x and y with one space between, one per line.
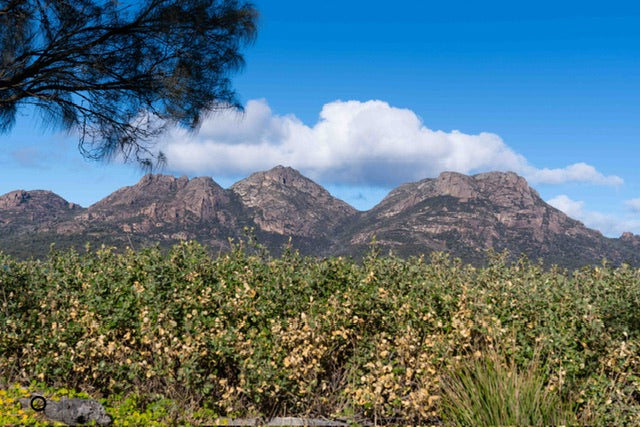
245 334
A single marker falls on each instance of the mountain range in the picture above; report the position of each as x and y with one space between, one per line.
459 214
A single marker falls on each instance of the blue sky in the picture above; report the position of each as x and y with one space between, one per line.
364 95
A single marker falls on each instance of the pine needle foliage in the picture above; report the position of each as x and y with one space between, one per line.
119 72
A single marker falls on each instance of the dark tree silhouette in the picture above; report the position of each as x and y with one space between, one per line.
120 71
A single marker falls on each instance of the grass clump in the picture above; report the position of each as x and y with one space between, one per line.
488 389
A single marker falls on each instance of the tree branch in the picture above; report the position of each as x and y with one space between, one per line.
96 67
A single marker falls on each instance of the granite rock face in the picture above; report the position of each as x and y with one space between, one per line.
632 239
27 211
283 201
165 209
163 198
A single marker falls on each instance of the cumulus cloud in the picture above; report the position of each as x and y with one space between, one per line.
609 224
353 142
571 207
578 172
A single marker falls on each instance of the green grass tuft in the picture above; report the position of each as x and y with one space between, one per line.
491 390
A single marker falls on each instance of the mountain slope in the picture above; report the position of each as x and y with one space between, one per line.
29 211
162 208
158 199
283 201
466 215
30 220
463 215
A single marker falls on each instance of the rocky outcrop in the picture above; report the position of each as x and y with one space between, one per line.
282 201
46 202
163 198
70 411
630 239
28 211
166 209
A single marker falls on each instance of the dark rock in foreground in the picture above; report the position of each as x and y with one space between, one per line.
69 411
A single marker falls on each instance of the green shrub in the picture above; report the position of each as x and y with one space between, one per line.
188 337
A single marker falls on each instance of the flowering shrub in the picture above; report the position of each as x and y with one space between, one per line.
186 337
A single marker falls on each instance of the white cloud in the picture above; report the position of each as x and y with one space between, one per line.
633 204
571 207
609 224
353 142
578 172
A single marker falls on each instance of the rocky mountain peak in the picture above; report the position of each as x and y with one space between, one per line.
14 199
160 198
150 187
282 174
203 196
463 214
285 202
27 211
159 181
280 178
502 187
455 185
34 199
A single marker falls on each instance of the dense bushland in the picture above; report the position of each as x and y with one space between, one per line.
186 337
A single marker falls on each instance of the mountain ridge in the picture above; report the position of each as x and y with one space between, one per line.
460 214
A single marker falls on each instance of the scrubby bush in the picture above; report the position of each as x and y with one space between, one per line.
186 337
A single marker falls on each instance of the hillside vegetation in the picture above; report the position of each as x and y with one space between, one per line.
181 336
